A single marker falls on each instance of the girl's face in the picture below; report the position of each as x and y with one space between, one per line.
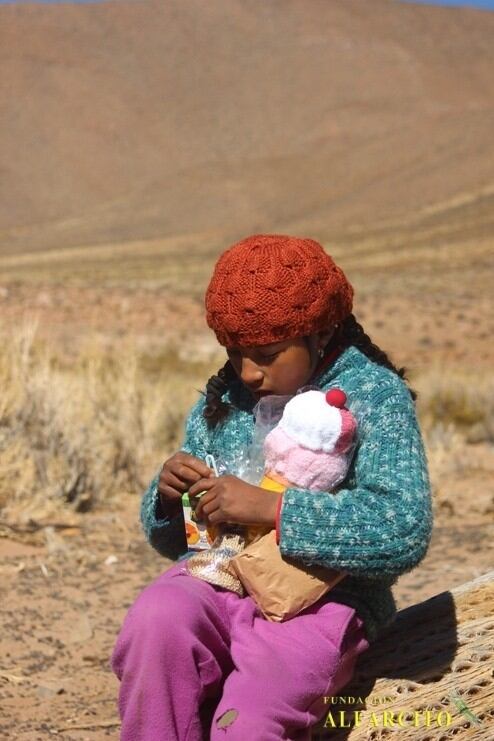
277 368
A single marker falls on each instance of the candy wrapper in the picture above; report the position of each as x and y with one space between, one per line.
199 537
211 564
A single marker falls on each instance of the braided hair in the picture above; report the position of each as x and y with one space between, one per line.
349 333
216 410
354 334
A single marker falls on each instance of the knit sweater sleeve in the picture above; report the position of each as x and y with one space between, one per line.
381 526
167 534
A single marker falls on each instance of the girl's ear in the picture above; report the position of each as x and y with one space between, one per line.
324 337
313 342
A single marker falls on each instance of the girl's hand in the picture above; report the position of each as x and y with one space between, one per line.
229 499
178 473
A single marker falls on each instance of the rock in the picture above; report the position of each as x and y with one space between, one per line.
49 689
81 631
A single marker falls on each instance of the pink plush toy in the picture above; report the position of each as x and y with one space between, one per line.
311 446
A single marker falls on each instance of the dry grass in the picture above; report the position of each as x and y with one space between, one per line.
460 399
75 433
456 413
83 430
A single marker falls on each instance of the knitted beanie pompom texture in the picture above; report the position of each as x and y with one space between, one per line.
273 287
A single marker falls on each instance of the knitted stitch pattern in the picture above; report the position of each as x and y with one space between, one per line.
376 526
270 287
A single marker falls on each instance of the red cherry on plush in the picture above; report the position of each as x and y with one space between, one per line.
336 397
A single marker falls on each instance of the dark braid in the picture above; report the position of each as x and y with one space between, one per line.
216 409
352 333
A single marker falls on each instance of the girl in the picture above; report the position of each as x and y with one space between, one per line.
283 310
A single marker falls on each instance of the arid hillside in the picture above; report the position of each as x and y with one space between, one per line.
128 120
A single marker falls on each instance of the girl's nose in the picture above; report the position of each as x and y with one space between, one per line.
250 373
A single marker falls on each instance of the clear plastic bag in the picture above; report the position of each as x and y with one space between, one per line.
228 539
250 465
267 413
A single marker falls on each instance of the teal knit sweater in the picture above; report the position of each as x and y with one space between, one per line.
375 527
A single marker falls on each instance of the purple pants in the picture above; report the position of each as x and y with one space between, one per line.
186 644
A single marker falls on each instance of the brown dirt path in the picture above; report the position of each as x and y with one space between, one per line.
63 601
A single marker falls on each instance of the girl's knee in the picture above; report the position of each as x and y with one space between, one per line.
165 608
158 625
166 617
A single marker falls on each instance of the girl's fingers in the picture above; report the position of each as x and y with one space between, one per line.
206 500
168 496
170 480
184 473
208 507
193 463
202 485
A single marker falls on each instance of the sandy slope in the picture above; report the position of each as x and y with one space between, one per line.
124 120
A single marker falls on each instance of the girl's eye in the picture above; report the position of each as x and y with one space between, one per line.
235 354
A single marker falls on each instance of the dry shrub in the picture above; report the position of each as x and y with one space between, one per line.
456 410
86 431
463 400
74 432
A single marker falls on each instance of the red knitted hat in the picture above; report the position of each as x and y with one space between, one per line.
272 287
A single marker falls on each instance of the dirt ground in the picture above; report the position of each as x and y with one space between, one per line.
65 592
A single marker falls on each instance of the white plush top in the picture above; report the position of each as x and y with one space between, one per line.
311 421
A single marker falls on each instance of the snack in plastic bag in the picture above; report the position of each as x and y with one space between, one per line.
211 564
220 543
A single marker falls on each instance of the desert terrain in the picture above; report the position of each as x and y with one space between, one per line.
68 576
121 184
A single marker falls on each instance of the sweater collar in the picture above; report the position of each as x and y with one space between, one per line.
326 362
331 366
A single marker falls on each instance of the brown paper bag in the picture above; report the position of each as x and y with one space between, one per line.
280 586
